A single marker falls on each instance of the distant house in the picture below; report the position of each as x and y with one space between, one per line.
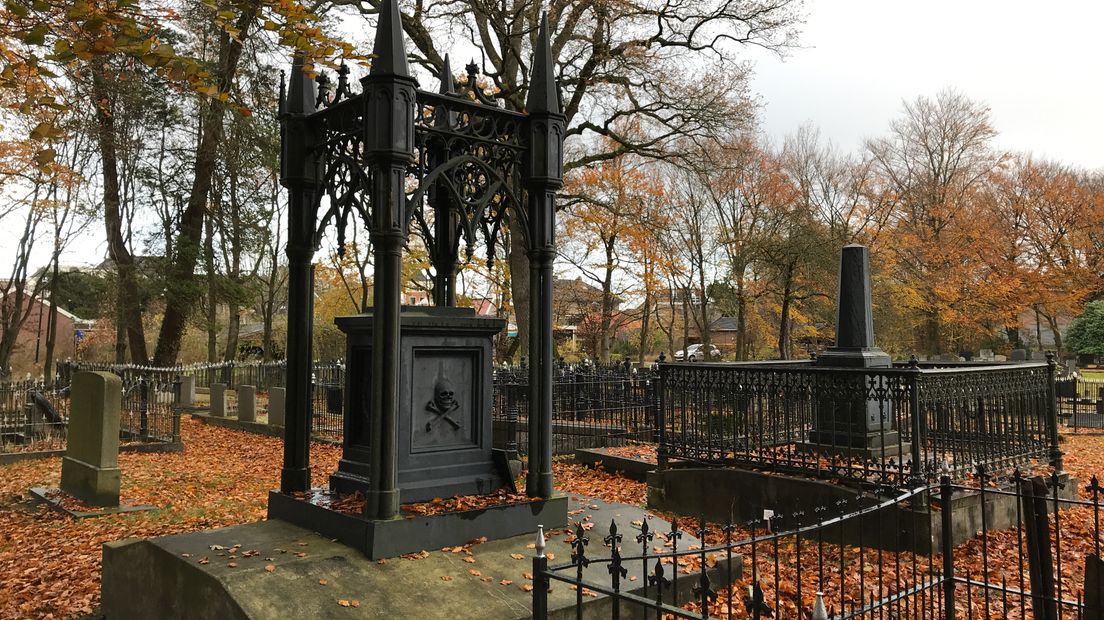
30 345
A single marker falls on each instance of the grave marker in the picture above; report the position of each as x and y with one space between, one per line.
90 468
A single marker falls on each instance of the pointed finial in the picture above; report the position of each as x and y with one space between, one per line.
544 95
301 93
281 103
540 541
448 84
390 47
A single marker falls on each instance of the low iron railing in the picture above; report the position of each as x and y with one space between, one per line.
857 558
593 406
885 426
35 417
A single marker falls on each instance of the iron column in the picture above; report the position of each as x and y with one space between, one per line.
543 175
299 173
389 100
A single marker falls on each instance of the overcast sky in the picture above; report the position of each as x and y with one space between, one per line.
1038 65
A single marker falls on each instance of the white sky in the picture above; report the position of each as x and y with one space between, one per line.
1038 65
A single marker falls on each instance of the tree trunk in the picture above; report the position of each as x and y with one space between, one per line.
784 320
607 305
741 320
128 308
182 292
519 290
51 323
212 291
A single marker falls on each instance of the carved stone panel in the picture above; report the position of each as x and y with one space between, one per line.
445 399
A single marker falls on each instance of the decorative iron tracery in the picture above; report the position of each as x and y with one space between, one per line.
465 145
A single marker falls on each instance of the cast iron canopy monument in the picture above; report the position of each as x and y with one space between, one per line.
461 169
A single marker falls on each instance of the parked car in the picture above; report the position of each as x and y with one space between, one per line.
696 353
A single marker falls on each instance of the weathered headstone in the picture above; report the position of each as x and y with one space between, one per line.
247 403
1017 355
90 469
986 355
218 400
186 398
1038 356
1000 358
276 406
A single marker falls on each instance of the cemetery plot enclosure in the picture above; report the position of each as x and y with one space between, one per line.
765 415
854 559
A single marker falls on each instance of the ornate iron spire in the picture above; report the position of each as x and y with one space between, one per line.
390 46
448 82
301 88
544 97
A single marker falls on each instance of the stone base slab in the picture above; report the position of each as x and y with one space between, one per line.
386 539
95 486
48 496
182 576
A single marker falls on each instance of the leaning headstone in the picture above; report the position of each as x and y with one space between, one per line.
90 469
276 406
218 400
186 398
247 403
1017 355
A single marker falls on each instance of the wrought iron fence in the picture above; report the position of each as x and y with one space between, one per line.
1081 403
883 426
593 406
861 558
35 417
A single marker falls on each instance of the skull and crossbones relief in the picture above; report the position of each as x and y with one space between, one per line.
443 404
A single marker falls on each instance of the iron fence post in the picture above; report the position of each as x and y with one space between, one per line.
143 408
1052 412
946 536
511 421
917 474
540 578
659 398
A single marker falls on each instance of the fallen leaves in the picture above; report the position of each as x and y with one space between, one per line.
270 568
348 603
50 562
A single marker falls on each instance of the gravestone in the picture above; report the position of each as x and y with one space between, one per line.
1038 356
247 403
443 434
1017 355
218 400
186 397
986 355
90 468
276 406
851 417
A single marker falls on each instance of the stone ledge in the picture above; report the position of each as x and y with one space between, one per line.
42 494
386 539
175 585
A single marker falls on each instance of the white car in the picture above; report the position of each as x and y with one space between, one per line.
696 353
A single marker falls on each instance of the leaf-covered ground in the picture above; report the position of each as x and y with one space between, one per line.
50 563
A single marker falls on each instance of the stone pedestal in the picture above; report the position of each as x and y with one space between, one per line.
186 398
247 403
218 400
90 469
276 406
444 424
